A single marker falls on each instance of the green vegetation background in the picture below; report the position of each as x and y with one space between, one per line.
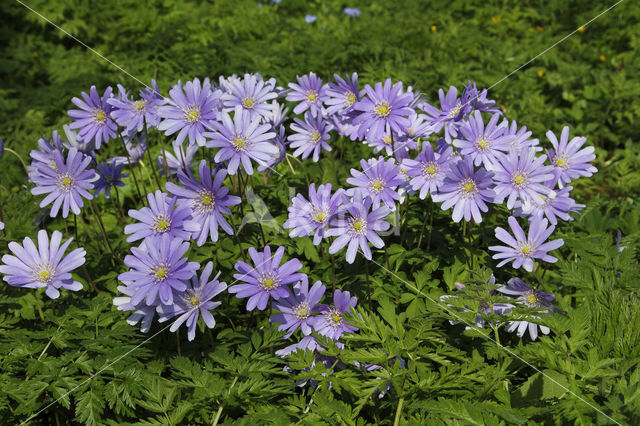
589 82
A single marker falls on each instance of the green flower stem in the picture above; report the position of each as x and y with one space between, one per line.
396 421
133 173
84 265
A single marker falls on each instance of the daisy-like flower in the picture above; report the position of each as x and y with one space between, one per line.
521 138
43 156
331 322
383 141
73 141
483 143
93 119
466 190
66 183
310 137
558 205
42 266
359 229
473 99
378 180
523 249
161 217
266 279
157 269
132 115
251 93
569 161
383 105
1 226
195 302
533 299
449 115
109 175
428 170
280 142
298 307
307 216
191 114
343 95
179 160
142 314
521 176
241 140
309 92
208 199
277 114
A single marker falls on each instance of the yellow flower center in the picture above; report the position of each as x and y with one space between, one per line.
349 98
194 301
139 105
43 273
467 188
315 137
455 110
482 144
358 226
561 162
65 182
387 140
531 299
526 250
302 310
159 272
519 180
192 114
335 318
376 186
248 102
382 109
269 281
99 116
430 169
161 223
311 96
320 216
239 143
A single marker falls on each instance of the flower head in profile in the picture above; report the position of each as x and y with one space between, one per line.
266 279
190 110
331 322
142 313
297 309
342 95
195 302
384 105
162 217
477 100
43 266
132 115
315 214
93 119
521 177
521 138
360 228
109 176
252 93
310 137
450 114
66 184
208 200
379 180
466 190
43 156
530 298
241 140
309 92
523 249
569 159
428 169
557 205
482 143
158 268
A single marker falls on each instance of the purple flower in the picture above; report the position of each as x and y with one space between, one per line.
297 308
385 140
241 140
266 279
315 214
142 314
480 143
309 91
532 299
43 157
190 114
178 161
521 138
383 105
134 114
557 204
449 115
195 302
359 229
331 323
109 176
477 100
207 199
42 266
1 226
352 12
522 249
66 184
94 117
309 19
161 217
466 190
428 170
280 142
136 145
158 268
521 176
342 96
569 160
311 136
378 180
251 93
